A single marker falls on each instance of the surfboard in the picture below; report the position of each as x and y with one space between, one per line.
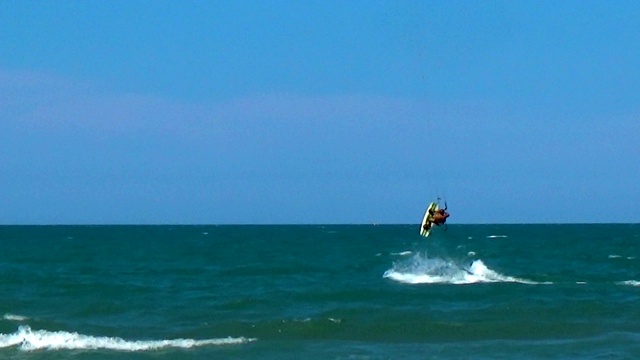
427 219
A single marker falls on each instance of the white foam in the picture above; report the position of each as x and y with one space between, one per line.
13 317
402 253
29 340
615 256
630 283
421 270
496 236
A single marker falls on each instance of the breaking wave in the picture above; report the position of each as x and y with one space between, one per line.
29 340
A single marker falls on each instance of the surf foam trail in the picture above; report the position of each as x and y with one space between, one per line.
29 340
423 270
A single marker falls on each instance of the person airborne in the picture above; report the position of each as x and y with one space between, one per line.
437 217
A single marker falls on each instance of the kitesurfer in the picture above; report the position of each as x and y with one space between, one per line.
437 217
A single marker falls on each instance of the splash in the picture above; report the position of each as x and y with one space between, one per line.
422 270
29 340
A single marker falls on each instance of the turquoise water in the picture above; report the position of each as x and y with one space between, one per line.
320 292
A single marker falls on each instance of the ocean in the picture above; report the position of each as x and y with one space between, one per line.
320 292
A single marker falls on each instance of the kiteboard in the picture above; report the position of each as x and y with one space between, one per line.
427 219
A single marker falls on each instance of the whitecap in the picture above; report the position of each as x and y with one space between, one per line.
630 283
29 340
402 253
13 317
496 236
613 256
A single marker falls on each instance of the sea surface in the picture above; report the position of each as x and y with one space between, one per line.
320 292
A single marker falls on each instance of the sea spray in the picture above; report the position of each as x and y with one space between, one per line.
423 270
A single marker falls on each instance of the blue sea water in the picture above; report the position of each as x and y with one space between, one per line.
320 292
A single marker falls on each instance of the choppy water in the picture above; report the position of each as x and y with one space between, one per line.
320 292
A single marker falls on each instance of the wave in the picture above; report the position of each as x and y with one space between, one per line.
630 283
615 256
13 317
402 253
29 340
422 270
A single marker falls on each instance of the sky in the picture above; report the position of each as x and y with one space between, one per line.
319 112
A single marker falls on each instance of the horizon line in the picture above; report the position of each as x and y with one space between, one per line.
320 224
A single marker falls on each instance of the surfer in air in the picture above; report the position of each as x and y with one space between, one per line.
440 216
436 217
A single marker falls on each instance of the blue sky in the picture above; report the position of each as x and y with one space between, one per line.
305 112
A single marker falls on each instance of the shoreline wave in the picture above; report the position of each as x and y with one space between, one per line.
29 340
